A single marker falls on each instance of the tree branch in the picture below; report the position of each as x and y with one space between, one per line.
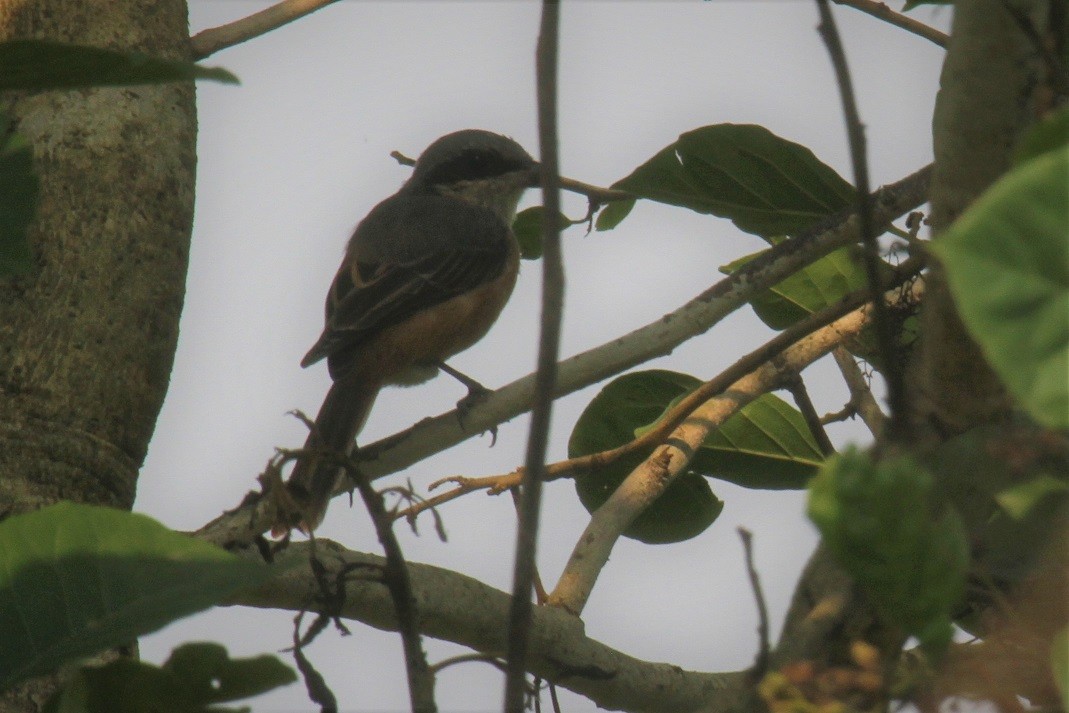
457 608
990 89
861 398
207 42
399 585
800 394
650 479
530 498
881 11
764 646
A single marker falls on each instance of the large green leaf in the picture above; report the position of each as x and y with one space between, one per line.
1007 262
44 64
765 184
196 676
76 579
688 506
18 200
879 521
766 445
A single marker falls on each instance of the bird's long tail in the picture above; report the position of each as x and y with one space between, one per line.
340 418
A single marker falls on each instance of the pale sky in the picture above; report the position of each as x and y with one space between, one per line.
293 158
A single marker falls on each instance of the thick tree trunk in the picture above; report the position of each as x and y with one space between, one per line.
992 89
87 340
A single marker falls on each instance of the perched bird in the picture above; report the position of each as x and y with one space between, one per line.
425 275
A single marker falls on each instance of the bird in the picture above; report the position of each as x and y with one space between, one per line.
425 275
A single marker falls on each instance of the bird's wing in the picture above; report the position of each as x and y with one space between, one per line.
409 254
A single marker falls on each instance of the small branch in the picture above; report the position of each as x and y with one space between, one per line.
523 576
395 575
467 658
208 42
897 427
881 11
764 643
650 479
539 589
861 398
596 194
800 394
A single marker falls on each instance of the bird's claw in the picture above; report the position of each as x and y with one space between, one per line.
477 394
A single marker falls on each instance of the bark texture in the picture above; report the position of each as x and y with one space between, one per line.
87 340
992 89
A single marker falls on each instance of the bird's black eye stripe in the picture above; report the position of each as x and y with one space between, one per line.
472 164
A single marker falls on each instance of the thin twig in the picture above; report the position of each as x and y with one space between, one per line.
896 393
395 576
207 42
596 194
861 398
881 11
468 658
539 589
318 690
809 412
760 665
520 609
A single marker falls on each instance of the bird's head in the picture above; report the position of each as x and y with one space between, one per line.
476 166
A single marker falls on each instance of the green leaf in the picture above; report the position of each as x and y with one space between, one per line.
811 289
613 214
1007 263
195 676
209 674
766 445
527 227
765 184
1021 499
1048 135
44 64
879 521
688 506
76 579
820 285
18 200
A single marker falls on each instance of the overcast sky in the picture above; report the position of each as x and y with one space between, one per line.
293 158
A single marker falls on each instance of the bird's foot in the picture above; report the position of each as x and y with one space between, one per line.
477 393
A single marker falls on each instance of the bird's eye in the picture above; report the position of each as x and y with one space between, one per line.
478 159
